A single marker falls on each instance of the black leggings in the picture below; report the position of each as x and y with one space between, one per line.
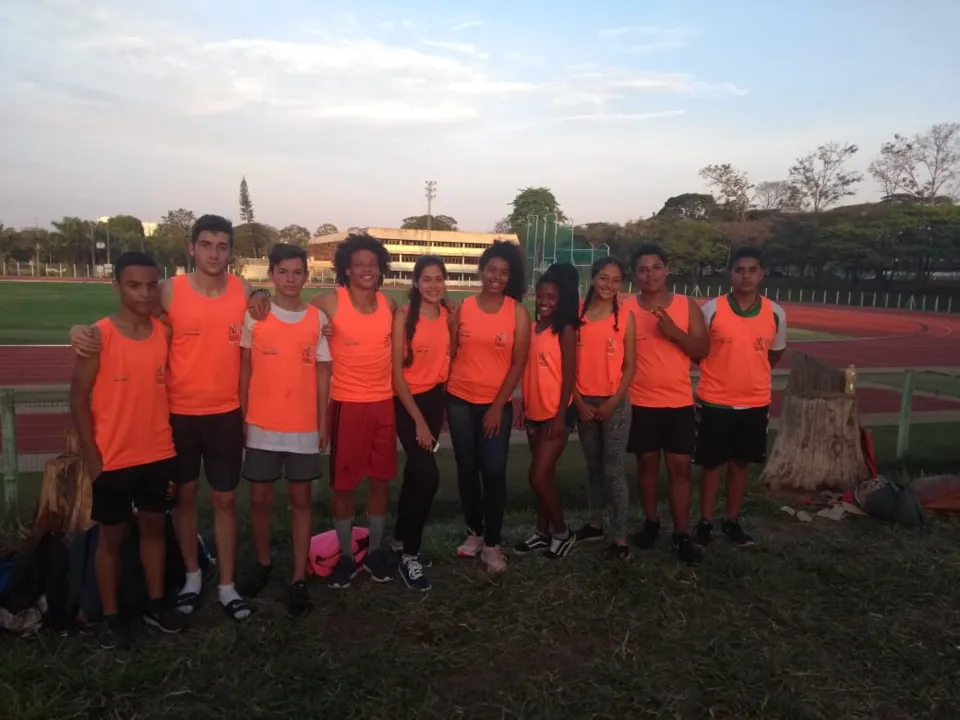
421 478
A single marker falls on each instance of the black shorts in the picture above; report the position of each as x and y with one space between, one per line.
214 440
569 419
267 466
115 492
671 430
727 434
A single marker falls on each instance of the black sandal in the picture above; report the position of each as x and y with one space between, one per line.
256 582
237 606
189 600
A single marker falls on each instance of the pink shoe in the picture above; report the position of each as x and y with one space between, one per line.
471 546
493 558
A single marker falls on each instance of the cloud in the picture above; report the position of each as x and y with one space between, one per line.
459 27
645 39
621 117
457 47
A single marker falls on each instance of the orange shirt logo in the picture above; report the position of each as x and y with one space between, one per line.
500 341
542 360
611 346
306 357
233 334
161 375
386 340
761 344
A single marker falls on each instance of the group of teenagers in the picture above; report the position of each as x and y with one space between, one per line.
205 370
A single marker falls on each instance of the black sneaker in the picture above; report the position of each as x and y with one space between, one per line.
589 532
254 584
378 564
560 547
619 552
704 533
166 620
298 599
113 633
411 572
532 544
734 530
343 573
646 539
689 553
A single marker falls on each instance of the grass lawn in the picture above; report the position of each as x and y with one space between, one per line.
44 311
829 620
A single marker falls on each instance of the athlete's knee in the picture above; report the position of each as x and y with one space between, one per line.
151 524
261 498
299 496
678 468
187 495
223 501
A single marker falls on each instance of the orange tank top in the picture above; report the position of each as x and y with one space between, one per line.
736 373
131 415
662 379
283 374
204 372
543 376
360 349
484 351
431 354
600 354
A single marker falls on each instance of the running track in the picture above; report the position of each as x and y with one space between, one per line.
878 339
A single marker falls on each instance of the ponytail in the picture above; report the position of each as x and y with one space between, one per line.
616 313
410 326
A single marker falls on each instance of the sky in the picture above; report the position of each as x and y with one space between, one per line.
340 112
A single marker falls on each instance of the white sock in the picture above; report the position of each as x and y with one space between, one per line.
228 593
192 584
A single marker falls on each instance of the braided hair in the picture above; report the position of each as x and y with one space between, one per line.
413 310
567 280
595 269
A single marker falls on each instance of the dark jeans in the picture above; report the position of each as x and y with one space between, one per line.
481 466
421 478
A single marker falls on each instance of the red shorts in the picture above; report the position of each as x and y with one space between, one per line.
363 442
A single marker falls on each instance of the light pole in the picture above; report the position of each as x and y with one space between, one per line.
431 193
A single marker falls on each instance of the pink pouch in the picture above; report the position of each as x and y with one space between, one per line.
325 550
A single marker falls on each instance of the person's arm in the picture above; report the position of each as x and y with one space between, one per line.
568 372
81 388
629 359
246 361
780 337
453 323
324 372
707 312
521 348
400 386
258 300
696 341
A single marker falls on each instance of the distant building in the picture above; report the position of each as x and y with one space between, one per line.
460 250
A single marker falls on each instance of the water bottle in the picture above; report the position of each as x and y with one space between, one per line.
850 380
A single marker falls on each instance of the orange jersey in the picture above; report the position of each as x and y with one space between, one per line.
131 415
282 396
431 354
484 351
736 373
662 378
600 353
360 347
204 373
543 376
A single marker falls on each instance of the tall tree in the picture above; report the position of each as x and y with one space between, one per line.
326 229
533 201
775 195
437 222
926 166
820 177
294 235
732 186
246 204
254 240
502 226
173 236
689 206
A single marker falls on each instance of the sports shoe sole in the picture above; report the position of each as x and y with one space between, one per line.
154 624
418 589
344 586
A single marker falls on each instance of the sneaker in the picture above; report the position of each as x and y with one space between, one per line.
734 530
560 547
113 633
619 552
493 558
298 599
424 560
704 533
378 564
411 572
646 539
689 553
254 584
589 532
471 547
167 620
532 544
343 573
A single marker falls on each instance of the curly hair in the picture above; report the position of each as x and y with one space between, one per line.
567 280
647 249
595 269
353 243
413 309
510 253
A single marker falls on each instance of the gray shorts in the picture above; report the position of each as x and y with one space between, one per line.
268 466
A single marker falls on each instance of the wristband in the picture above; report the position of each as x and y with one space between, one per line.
259 290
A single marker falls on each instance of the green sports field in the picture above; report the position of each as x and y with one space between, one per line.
40 313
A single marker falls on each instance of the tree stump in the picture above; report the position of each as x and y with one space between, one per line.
66 493
818 444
